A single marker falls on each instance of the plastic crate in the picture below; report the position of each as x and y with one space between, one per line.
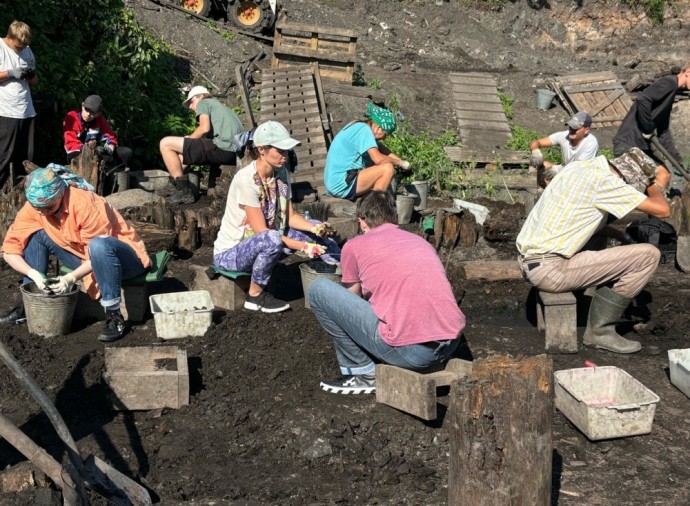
181 314
679 368
605 402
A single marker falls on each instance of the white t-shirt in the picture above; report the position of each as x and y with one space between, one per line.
15 95
243 191
586 150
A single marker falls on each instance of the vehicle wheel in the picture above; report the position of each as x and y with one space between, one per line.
200 7
251 15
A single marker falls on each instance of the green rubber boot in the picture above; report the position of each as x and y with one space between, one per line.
606 308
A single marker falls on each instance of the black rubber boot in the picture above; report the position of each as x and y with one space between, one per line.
184 194
606 308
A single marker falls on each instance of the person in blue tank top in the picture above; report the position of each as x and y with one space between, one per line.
356 162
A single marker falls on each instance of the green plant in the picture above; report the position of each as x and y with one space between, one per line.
507 104
607 152
229 36
653 8
521 138
374 84
358 76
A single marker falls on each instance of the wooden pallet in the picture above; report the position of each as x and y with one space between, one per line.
333 48
293 96
598 93
482 123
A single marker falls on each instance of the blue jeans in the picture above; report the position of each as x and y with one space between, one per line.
111 260
353 326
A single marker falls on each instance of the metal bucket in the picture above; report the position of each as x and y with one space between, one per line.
314 269
421 189
545 99
405 207
48 315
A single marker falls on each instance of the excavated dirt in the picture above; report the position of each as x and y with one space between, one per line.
257 429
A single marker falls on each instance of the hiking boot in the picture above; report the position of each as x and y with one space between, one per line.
168 189
113 328
606 307
357 384
184 192
14 316
266 303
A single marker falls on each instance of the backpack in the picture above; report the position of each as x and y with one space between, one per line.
656 232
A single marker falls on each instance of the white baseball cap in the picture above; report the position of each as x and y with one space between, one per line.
197 90
273 133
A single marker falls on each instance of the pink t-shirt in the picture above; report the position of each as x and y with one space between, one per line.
405 283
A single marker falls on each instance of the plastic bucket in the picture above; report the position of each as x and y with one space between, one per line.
48 315
421 189
405 207
545 99
314 269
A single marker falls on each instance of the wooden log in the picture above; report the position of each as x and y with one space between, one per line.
187 237
501 433
491 270
468 230
452 226
162 215
438 227
155 238
87 165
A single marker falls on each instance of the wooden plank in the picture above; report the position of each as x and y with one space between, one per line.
324 30
479 106
492 270
487 116
317 55
458 154
485 80
325 120
590 77
480 90
593 87
484 125
608 101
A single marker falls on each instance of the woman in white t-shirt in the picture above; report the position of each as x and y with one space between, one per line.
260 223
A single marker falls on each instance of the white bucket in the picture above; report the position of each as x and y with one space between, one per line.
421 189
405 207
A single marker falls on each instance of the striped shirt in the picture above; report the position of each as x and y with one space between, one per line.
574 206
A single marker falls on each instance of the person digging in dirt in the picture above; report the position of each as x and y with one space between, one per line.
17 112
356 163
211 143
260 224
65 218
572 208
650 115
89 125
576 143
395 303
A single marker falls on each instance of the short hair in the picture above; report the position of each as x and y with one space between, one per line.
376 208
19 32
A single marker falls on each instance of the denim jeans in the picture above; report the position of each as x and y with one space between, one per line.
353 326
111 260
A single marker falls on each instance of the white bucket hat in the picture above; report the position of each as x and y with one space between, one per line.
197 90
273 133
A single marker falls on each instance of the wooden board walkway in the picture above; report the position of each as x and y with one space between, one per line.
293 96
599 93
482 123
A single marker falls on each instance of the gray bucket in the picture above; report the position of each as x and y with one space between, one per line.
545 99
48 315
314 269
421 189
122 181
405 207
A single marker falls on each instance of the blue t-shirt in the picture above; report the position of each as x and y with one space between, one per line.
348 151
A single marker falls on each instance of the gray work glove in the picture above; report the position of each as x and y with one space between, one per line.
15 72
62 284
537 158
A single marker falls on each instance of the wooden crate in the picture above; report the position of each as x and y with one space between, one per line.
147 377
333 48
598 93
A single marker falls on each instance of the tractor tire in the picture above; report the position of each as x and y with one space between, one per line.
200 7
250 15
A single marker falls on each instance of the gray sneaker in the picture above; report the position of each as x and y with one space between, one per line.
357 384
266 303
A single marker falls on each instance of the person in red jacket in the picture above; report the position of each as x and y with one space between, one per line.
89 125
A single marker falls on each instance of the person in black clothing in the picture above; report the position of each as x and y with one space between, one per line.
650 114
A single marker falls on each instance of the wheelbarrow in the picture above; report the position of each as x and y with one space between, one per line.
91 471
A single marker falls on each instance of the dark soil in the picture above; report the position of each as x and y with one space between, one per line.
257 429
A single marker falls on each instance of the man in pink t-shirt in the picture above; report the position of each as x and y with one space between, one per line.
395 304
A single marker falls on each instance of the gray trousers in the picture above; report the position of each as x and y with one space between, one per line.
628 267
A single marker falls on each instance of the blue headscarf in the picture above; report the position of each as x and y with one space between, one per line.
44 187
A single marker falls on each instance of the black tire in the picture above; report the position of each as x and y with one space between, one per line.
250 15
200 7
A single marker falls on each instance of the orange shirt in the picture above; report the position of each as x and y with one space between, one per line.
84 215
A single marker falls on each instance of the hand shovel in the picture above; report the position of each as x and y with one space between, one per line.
97 475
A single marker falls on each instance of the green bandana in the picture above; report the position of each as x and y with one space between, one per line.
382 117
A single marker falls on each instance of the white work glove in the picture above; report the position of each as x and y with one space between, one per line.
63 284
648 136
322 230
537 158
404 165
38 278
16 73
313 250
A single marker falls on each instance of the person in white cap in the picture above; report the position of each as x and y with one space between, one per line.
577 144
211 143
260 223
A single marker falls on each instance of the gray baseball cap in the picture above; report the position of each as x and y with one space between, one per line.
581 119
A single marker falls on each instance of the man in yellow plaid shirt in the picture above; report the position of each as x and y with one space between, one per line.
573 207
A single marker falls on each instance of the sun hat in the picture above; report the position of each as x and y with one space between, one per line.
637 169
93 103
579 120
382 117
274 134
197 90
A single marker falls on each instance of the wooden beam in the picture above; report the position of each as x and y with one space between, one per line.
491 270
